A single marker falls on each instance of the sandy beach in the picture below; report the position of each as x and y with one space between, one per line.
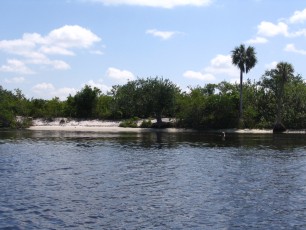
64 124
91 126
102 129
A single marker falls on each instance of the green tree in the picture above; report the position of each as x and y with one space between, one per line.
202 108
6 110
54 108
154 97
245 59
104 107
159 97
282 74
38 108
70 107
276 79
127 99
295 99
85 101
191 107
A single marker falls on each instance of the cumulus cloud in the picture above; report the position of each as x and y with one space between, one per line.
56 64
14 80
257 40
47 91
71 37
199 76
63 93
221 64
56 50
156 3
271 65
298 33
165 35
99 84
43 87
37 49
97 52
292 48
15 66
270 29
121 76
298 17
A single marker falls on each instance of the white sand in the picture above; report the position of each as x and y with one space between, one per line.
113 126
90 126
102 129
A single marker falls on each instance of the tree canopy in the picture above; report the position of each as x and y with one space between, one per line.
212 106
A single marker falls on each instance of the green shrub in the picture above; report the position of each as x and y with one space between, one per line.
130 123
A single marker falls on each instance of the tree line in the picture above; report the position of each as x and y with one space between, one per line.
212 106
277 100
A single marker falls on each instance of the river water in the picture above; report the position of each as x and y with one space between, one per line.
66 180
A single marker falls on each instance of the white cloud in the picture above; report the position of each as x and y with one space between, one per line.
43 88
271 65
104 88
17 46
298 33
121 76
16 66
292 48
156 3
257 40
56 64
47 91
165 35
298 17
199 76
59 64
63 93
14 80
219 65
72 36
222 64
269 29
56 50
97 52
36 48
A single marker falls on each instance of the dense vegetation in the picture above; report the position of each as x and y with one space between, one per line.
276 98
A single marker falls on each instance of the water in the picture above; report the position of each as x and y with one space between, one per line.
58 180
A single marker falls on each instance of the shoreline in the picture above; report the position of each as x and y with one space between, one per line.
107 126
117 129
104 129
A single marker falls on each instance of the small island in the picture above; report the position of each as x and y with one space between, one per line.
275 103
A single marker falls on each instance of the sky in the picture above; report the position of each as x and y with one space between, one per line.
53 48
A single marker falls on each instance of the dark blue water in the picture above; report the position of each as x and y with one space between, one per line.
54 180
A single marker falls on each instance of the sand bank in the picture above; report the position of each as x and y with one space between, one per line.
63 124
102 129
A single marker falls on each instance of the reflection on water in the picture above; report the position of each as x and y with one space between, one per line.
164 139
62 180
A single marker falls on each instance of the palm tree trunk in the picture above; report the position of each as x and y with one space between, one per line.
240 106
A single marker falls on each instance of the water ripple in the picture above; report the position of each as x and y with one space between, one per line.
136 182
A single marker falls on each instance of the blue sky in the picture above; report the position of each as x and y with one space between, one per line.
53 48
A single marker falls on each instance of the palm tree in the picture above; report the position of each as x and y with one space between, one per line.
245 59
282 74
